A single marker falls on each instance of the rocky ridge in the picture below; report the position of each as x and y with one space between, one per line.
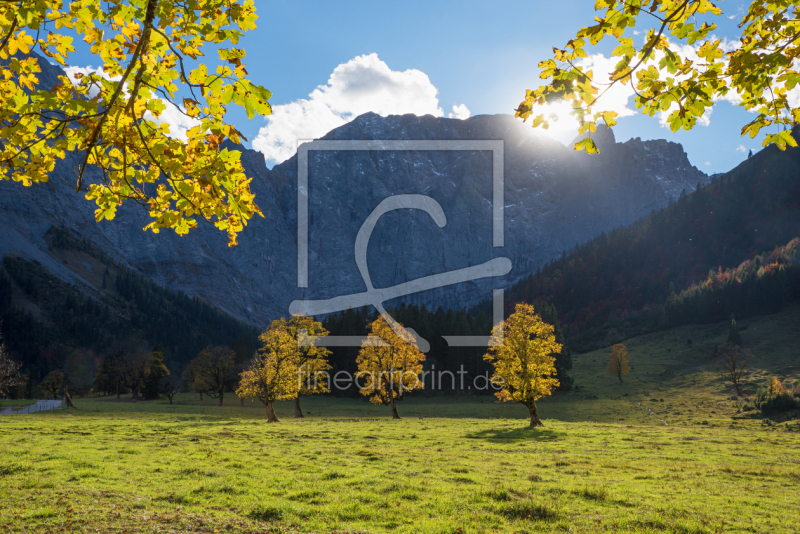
554 199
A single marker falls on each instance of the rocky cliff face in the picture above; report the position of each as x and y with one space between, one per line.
554 198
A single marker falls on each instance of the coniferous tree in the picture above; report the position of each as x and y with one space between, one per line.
734 336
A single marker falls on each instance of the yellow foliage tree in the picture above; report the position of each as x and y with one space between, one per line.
618 364
680 67
114 119
312 362
389 364
272 374
776 387
522 352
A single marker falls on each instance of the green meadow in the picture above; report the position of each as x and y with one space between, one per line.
667 450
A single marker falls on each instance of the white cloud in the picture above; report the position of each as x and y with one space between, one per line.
363 84
73 71
741 148
708 163
178 122
459 112
616 98
793 96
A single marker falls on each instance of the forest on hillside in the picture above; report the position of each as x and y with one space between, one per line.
725 248
56 325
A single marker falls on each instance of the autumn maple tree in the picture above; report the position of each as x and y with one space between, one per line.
668 55
273 372
113 119
522 350
312 361
389 365
618 363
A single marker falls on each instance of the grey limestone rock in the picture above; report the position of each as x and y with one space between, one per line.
554 199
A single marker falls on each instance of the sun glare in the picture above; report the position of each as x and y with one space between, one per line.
563 126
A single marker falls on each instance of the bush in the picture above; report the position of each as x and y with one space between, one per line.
772 404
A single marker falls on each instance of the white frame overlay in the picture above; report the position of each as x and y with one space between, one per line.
498 238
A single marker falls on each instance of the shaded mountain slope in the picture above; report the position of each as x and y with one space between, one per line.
744 213
554 198
47 323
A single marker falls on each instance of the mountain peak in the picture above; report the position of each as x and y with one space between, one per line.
603 137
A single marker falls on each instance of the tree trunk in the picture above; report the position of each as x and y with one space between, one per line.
619 375
118 389
298 413
271 417
241 401
221 394
395 415
170 399
67 397
534 415
201 396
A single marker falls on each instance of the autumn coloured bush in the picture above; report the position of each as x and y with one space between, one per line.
777 398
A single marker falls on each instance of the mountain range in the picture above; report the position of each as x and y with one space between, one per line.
555 199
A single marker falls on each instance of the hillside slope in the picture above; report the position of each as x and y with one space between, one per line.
49 324
741 217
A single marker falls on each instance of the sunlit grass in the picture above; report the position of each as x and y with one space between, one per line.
132 470
612 457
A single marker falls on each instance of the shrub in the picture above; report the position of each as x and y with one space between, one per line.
776 399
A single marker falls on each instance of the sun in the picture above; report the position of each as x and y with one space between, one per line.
563 126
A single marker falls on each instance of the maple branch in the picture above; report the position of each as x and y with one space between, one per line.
148 24
9 34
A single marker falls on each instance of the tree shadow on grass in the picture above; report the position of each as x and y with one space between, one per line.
514 435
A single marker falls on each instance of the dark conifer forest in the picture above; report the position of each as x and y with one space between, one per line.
45 319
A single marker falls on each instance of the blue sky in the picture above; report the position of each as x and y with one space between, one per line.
478 54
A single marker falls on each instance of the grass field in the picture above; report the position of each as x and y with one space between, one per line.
625 461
